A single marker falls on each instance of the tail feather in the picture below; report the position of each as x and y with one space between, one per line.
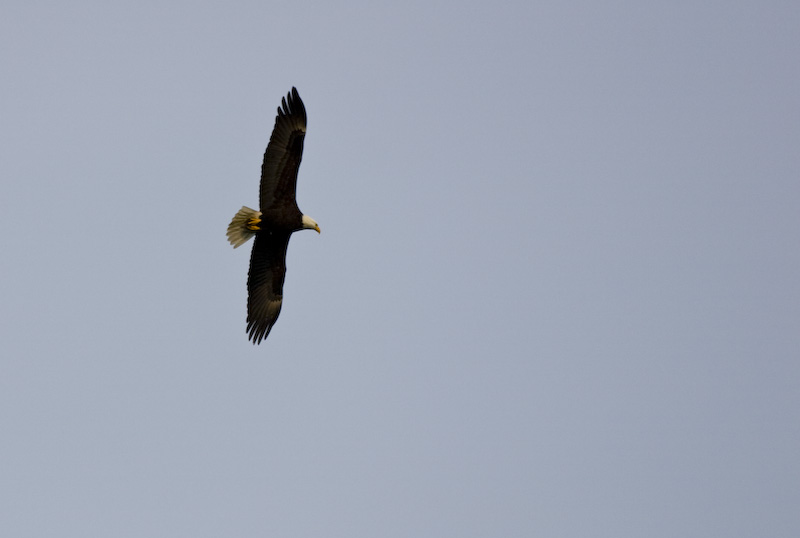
238 234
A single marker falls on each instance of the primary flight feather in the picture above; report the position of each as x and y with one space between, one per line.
277 220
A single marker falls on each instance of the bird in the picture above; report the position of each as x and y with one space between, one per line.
275 222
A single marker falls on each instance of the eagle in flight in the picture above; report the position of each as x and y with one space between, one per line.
277 220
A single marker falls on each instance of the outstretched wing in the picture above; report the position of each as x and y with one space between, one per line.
284 152
265 283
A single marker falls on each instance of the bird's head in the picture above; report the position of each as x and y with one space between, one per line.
310 224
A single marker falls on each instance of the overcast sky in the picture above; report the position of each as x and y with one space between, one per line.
556 291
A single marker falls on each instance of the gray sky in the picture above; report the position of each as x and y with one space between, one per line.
556 291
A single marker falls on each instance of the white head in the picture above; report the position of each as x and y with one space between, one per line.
310 224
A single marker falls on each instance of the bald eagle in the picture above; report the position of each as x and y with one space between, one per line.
278 219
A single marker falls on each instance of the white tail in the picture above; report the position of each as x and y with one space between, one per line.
238 232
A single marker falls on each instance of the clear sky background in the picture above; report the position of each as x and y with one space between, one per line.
556 291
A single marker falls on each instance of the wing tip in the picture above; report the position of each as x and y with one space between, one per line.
292 105
261 318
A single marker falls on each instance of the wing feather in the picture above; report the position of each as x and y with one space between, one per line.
265 283
284 152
